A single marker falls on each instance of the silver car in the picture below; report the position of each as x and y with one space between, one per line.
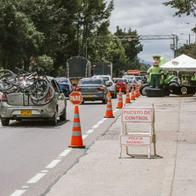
111 86
19 106
93 89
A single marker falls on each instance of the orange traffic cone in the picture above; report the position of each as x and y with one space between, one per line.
76 139
135 91
109 112
132 93
138 91
120 100
127 96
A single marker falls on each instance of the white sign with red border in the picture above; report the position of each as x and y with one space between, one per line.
136 139
76 98
137 115
140 138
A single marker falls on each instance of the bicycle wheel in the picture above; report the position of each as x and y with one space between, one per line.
39 89
7 79
47 99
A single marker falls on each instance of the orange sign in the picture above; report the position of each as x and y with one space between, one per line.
76 98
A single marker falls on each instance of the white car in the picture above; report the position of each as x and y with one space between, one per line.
111 86
132 80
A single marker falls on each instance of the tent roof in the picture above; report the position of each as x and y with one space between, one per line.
181 63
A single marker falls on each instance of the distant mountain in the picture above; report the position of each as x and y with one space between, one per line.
145 62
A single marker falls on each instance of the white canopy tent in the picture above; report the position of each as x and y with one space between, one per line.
181 63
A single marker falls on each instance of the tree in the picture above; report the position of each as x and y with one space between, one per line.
131 44
18 35
92 22
56 20
189 50
187 7
116 55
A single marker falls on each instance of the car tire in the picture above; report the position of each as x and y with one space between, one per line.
5 121
184 90
104 100
54 120
174 88
143 89
63 116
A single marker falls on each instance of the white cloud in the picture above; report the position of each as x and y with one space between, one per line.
151 17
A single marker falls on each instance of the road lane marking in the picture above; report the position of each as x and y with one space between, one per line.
90 131
95 126
53 164
65 152
100 122
18 192
40 175
116 110
44 171
84 136
36 178
25 187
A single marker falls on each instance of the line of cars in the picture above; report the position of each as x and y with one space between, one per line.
95 88
19 106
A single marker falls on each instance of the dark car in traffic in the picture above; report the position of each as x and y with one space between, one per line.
65 85
93 89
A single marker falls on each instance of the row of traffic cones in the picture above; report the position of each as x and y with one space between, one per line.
135 93
76 139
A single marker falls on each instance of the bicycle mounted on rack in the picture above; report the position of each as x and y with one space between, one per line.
36 86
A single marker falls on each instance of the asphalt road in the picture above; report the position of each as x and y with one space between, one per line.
26 148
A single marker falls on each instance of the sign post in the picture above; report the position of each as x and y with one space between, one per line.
76 139
139 138
76 98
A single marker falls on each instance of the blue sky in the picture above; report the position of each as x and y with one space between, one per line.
151 17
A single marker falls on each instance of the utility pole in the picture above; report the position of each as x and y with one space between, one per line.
175 44
189 38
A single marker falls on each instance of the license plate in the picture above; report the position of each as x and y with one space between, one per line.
26 113
89 96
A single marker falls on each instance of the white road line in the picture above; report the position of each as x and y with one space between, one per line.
84 136
36 178
53 164
95 126
44 171
100 122
116 110
18 192
65 152
90 131
25 187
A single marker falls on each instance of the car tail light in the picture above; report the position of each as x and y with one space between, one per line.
3 97
101 88
77 88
